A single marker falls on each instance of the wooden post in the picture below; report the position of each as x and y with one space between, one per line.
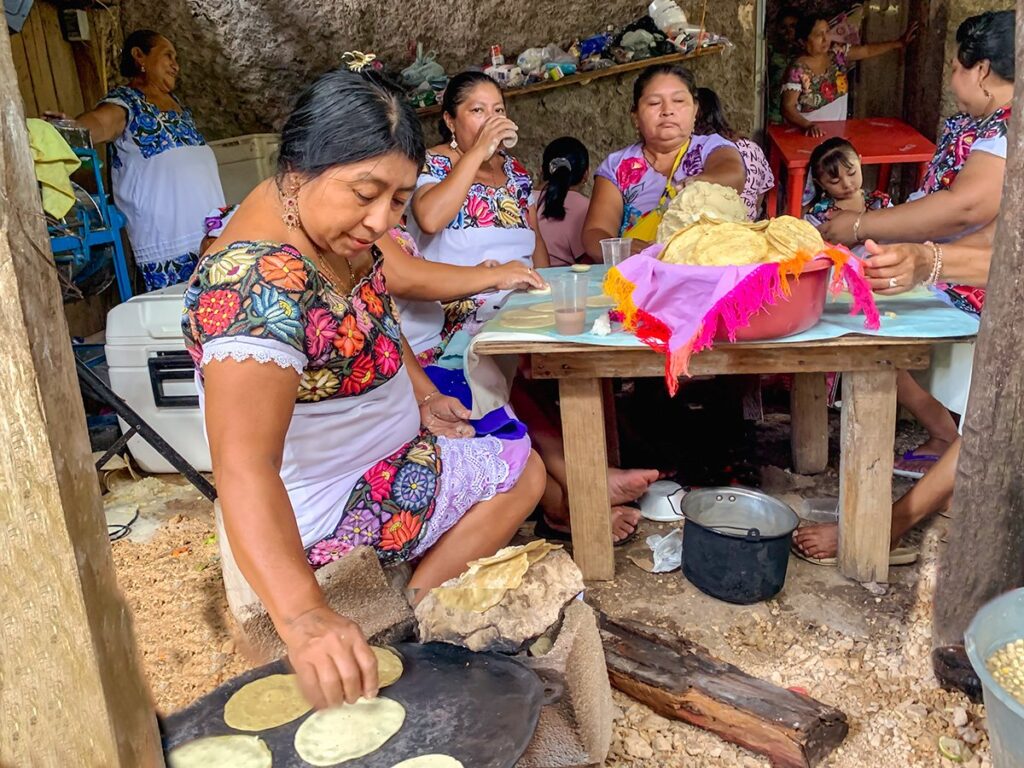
984 554
587 475
71 686
809 423
865 482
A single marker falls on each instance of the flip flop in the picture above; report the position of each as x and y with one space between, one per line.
544 530
897 556
913 456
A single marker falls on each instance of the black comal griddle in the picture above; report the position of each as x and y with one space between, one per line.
480 708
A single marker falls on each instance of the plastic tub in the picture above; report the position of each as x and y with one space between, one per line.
999 622
794 315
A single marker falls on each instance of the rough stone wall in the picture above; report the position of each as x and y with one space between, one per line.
958 11
244 61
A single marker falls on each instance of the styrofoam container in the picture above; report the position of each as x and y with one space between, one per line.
244 162
150 369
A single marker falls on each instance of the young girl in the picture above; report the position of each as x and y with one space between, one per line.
839 183
710 120
561 206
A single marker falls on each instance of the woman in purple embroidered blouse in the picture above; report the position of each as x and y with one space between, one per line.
630 183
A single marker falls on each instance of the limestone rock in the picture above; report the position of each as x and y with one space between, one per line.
522 615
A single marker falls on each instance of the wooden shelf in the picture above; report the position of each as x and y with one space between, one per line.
585 78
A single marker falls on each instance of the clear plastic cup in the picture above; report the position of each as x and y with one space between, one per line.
569 296
615 250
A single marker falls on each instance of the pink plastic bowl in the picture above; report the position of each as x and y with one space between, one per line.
802 310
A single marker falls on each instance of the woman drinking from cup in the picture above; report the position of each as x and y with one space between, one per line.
633 186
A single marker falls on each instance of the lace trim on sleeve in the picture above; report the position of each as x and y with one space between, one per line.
260 350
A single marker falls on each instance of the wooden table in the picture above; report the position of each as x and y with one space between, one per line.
869 365
880 141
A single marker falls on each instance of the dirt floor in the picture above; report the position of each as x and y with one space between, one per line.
866 654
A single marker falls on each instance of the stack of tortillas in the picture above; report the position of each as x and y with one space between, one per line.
698 200
711 243
487 581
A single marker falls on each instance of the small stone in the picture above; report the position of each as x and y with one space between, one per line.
716 752
655 722
959 717
832 666
693 750
637 747
228 646
662 743
970 736
920 711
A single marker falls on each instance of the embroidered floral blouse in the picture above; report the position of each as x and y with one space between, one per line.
817 91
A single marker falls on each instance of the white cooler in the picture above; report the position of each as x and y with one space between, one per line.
244 162
152 372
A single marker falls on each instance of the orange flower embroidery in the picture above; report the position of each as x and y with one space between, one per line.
216 310
373 302
350 339
283 270
402 528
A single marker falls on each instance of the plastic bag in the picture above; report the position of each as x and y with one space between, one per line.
531 60
668 551
424 68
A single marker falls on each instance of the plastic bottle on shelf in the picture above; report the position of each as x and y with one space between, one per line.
668 17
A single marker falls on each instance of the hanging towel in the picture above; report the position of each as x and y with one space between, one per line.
55 162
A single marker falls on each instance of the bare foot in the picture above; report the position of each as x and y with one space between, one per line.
624 522
818 541
625 485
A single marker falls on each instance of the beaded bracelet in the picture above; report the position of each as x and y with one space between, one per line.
936 265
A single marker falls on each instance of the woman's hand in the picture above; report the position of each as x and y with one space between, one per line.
515 276
898 267
839 229
813 130
331 657
56 116
495 130
910 35
445 416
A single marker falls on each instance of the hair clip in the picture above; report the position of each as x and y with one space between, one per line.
559 162
357 60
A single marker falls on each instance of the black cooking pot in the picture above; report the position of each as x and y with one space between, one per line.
736 543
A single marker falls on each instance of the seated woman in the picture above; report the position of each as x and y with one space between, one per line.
815 86
633 186
906 266
961 193
711 120
471 204
562 206
324 432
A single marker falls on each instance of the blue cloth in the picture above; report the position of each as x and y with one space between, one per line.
500 422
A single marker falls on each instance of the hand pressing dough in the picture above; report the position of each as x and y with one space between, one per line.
236 751
389 666
430 761
265 703
525 319
339 734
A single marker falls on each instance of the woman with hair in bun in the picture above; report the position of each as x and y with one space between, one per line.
561 204
324 431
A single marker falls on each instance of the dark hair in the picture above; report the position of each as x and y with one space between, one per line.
710 116
826 159
651 72
144 40
988 37
788 11
347 117
566 161
805 25
457 92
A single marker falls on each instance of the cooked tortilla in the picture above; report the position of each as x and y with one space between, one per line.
526 319
430 761
389 666
698 200
235 751
340 734
265 703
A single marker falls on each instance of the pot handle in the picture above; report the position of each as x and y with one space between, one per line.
753 535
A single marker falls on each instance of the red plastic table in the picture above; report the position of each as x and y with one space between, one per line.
881 141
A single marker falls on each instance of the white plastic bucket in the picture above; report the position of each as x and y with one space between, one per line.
999 622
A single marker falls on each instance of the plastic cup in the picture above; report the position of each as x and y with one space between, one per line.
615 250
569 296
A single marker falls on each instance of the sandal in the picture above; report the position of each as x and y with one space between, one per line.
897 556
911 457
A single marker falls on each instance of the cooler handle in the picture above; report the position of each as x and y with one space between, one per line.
171 366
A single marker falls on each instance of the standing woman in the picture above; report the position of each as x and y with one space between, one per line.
472 200
165 175
816 87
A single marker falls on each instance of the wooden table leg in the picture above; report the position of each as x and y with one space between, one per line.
865 483
796 178
611 423
586 461
808 409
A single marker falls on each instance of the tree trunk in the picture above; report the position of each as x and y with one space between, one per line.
71 687
985 553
